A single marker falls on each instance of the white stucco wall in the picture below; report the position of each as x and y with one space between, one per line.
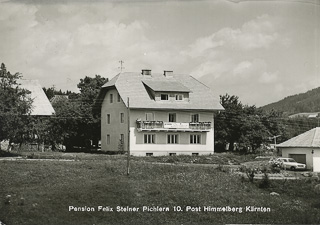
316 160
138 148
115 128
137 145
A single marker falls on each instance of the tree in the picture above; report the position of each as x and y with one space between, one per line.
76 123
15 106
89 90
244 126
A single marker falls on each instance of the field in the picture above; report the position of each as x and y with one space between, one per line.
42 192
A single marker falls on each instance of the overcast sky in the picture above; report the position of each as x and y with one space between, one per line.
261 51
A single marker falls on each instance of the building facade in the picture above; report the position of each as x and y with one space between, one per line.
304 148
157 114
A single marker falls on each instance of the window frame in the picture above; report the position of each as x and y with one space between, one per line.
195 139
149 139
193 118
121 117
163 94
111 98
173 139
108 118
108 139
175 117
151 115
179 95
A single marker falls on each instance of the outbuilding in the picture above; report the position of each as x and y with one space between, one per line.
304 148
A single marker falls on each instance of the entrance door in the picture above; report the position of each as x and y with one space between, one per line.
300 158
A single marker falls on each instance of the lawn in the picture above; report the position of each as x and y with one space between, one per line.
43 191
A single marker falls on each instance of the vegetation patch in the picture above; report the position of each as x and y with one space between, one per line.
103 182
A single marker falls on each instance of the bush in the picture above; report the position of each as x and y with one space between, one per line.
265 182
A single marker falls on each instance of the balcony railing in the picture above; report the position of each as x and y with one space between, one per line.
172 126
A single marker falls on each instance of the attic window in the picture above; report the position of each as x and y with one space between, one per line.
164 97
179 97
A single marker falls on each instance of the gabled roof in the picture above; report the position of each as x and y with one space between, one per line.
131 85
310 139
41 105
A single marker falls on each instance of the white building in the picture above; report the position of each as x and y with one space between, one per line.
304 148
169 114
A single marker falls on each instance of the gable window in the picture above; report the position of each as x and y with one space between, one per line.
149 138
119 98
172 139
164 97
195 139
195 118
108 118
108 139
179 97
111 98
121 117
172 117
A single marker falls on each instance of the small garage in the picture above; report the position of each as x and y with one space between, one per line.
304 148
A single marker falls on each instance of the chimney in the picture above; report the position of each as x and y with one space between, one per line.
168 73
146 72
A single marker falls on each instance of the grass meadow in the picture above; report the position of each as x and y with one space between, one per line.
42 191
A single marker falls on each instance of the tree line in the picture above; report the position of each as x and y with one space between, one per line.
246 128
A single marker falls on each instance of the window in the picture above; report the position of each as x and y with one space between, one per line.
195 139
149 138
172 139
149 154
121 117
111 98
122 138
172 117
108 118
108 139
164 97
195 118
195 154
119 98
172 154
179 97
149 117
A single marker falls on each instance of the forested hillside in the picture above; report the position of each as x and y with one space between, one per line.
304 102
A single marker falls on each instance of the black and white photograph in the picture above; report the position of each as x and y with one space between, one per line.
159 112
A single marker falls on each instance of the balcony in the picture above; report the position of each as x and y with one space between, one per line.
173 126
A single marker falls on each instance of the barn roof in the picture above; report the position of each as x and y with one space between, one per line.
310 139
41 105
132 85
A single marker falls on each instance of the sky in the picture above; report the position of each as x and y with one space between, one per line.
260 51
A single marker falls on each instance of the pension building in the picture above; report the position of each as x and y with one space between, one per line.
157 114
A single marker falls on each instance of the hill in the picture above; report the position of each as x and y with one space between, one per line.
304 102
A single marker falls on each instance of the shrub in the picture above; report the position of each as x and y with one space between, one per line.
265 182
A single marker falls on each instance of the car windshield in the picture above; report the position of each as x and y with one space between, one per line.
291 160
